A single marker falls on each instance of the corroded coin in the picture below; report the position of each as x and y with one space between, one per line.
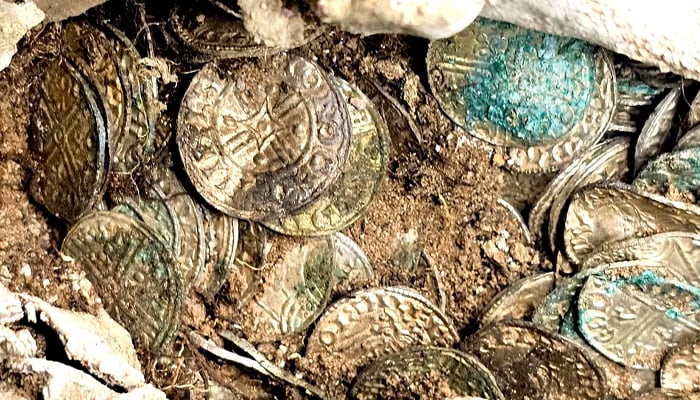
374 322
295 286
518 217
350 261
221 233
463 374
657 129
604 161
613 212
132 271
69 140
559 102
519 300
633 96
252 251
680 369
635 319
680 168
692 119
530 363
158 216
678 252
265 139
689 139
560 302
349 197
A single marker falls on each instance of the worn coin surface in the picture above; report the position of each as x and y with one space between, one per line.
374 322
689 139
657 129
349 197
519 300
678 252
252 251
604 161
635 319
463 373
263 140
614 212
133 272
221 233
680 369
350 261
680 169
294 288
667 394
559 102
69 139
158 216
531 363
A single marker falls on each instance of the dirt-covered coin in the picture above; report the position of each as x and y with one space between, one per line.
348 198
265 139
374 322
221 233
667 394
680 168
463 374
351 262
519 300
680 369
69 141
614 212
559 102
634 319
134 273
530 363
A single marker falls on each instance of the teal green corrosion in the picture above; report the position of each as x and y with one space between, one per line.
680 168
532 85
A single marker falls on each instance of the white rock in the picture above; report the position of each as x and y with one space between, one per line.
15 20
10 305
19 343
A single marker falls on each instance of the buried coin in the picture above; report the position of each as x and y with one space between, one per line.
463 374
221 233
295 286
69 139
635 319
263 140
614 212
519 300
678 252
349 197
157 215
530 363
680 169
680 369
133 272
351 262
657 129
666 394
689 139
559 102
375 322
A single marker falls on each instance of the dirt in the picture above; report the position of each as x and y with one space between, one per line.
438 205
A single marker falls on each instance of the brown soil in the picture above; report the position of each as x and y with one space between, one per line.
441 191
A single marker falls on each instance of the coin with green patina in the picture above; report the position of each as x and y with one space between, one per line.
350 261
69 143
371 323
157 215
263 140
634 319
544 97
349 197
531 363
221 232
462 373
294 287
680 169
519 300
133 272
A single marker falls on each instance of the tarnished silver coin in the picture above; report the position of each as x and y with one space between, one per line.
221 233
350 261
635 319
559 102
252 251
680 369
133 272
293 290
666 394
561 301
634 96
680 169
604 161
349 197
657 129
519 300
692 119
531 363
678 252
263 140
614 212
371 323
524 230
69 141
158 216
689 139
463 374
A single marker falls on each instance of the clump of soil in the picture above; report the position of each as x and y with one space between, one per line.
441 192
